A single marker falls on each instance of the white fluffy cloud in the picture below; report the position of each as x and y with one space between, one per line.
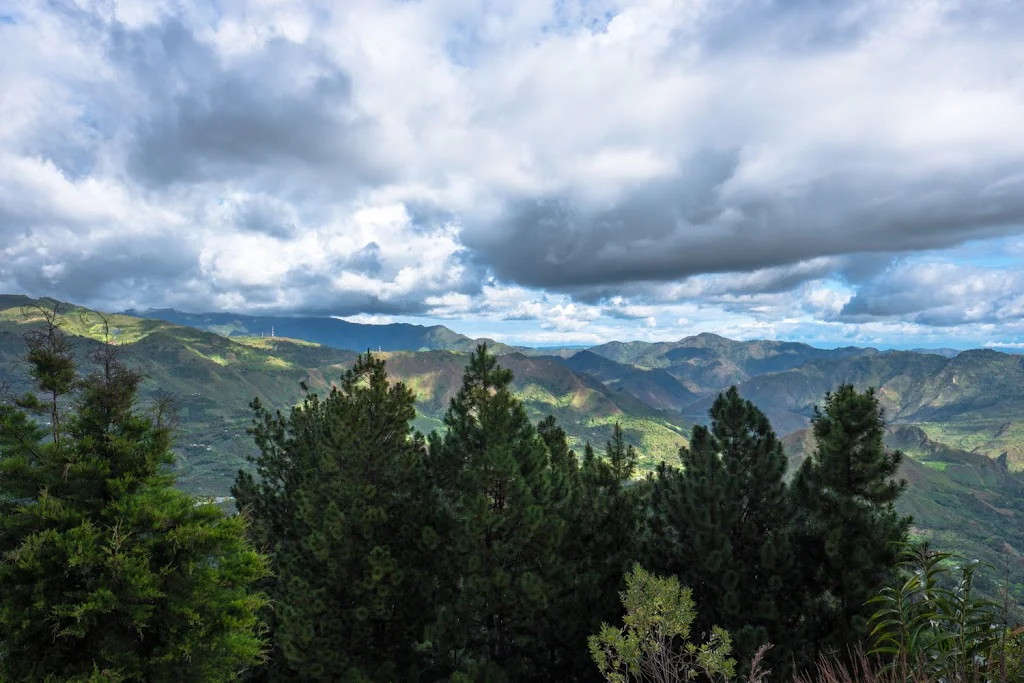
549 170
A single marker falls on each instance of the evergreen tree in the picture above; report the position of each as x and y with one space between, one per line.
562 620
342 497
603 519
850 535
608 525
722 524
494 475
565 468
107 572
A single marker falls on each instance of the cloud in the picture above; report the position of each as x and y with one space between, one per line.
612 167
282 109
940 294
871 136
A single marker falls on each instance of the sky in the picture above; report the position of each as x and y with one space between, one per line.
536 171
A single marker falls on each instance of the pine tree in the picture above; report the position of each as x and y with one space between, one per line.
610 525
108 572
722 524
342 498
494 474
565 468
603 520
850 534
562 620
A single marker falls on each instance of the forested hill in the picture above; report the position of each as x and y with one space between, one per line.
213 378
960 418
326 331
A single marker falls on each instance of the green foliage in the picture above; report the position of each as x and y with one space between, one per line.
342 497
494 477
722 525
935 620
107 572
493 554
603 519
850 532
51 366
654 644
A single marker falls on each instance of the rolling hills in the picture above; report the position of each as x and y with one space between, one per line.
960 501
325 331
959 417
213 378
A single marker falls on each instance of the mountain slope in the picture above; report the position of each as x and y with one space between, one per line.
339 334
213 378
973 401
789 397
655 387
959 500
707 362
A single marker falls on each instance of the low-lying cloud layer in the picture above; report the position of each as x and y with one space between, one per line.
540 171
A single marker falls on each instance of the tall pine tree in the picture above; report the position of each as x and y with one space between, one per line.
849 531
602 544
494 475
722 525
107 572
342 497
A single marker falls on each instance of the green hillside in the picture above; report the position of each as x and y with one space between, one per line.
707 362
655 387
960 419
972 402
959 500
585 408
213 378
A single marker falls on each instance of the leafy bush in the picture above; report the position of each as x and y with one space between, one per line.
935 622
655 643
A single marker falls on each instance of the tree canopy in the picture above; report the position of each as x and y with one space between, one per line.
107 572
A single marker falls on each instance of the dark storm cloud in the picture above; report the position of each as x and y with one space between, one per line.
724 288
264 215
122 268
553 162
690 225
283 105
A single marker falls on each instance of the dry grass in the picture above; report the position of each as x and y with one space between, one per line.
865 669
757 674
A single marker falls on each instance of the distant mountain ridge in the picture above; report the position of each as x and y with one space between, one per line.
708 362
973 400
213 377
340 334
960 419
332 332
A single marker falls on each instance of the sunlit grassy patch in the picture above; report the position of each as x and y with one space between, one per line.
986 437
269 343
423 385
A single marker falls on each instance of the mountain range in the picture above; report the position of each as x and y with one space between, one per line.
959 416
